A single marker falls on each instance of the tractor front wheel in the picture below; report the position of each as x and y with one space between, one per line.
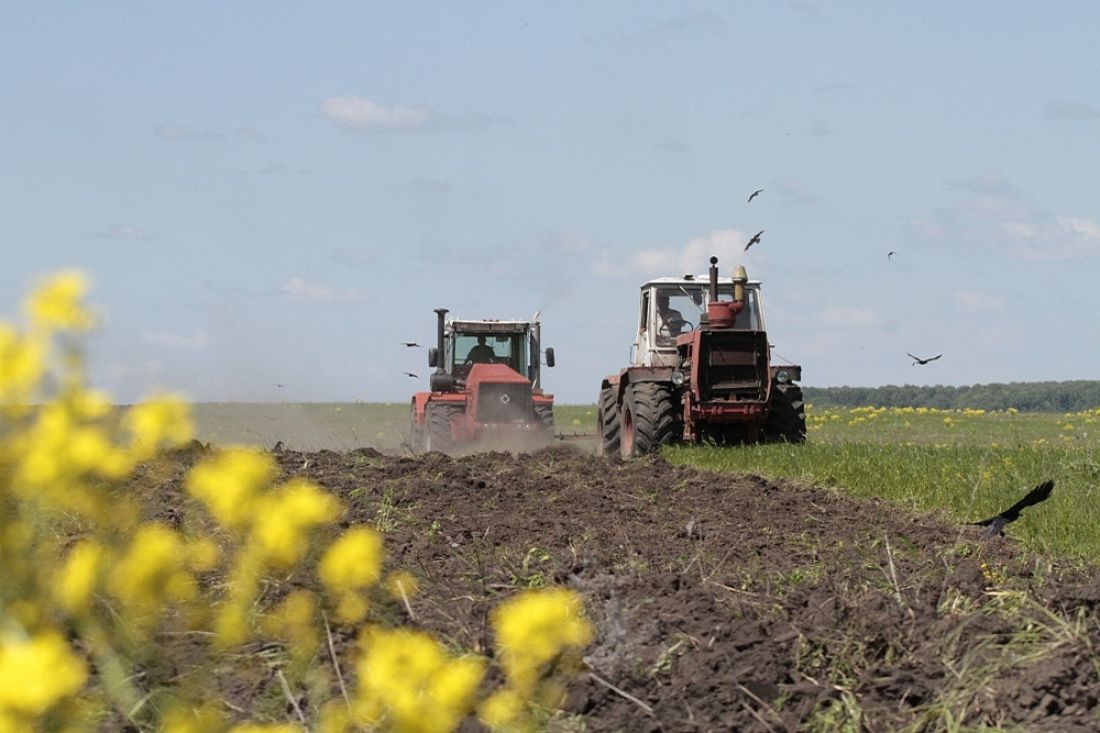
787 418
438 418
650 419
607 423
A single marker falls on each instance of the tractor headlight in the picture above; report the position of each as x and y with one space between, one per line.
782 376
677 378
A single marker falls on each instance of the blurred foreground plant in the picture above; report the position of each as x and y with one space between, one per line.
95 577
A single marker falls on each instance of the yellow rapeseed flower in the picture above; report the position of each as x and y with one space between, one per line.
354 561
57 303
533 628
154 570
285 517
80 576
409 683
37 673
22 364
230 484
161 421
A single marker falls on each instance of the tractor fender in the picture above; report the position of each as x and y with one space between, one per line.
635 375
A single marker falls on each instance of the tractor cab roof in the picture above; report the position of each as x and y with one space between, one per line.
488 326
693 281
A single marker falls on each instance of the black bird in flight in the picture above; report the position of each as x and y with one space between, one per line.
410 344
410 374
280 386
754 194
923 361
755 240
996 525
890 254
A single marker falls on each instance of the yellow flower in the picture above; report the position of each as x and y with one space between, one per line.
285 517
503 709
230 484
533 628
37 673
154 569
354 561
408 683
161 421
56 303
22 363
79 576
402 584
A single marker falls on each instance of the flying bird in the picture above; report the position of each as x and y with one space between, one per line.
996 525
410 344
755 240
410 374
754 194
890 254
280 386
919 360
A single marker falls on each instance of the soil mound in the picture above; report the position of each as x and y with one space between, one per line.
733 603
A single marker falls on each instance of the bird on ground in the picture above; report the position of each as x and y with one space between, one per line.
918 360
755 240
410 374
890 254
996 525
410 344
754 194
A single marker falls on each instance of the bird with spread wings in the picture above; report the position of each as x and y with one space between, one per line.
995 525
918 360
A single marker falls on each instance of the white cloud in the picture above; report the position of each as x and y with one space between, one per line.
793 191
358 113
181 133
127 232
846 316
693 257
996 219
193 341
1071 110
979 302
298 290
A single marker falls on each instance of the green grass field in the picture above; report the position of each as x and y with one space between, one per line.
969 464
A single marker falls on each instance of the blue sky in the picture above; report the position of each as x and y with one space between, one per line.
272 193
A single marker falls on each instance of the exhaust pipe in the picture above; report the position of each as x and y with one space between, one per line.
439 340
713 279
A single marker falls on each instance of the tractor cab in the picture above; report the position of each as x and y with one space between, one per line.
514 344
671 307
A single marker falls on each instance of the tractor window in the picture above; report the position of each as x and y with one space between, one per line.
749 317
676 313
509 349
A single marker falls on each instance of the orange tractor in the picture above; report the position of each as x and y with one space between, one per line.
701 370
486 389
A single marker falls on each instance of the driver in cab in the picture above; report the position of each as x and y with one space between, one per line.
481 354
670 322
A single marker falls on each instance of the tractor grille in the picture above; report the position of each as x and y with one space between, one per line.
735 366
509 402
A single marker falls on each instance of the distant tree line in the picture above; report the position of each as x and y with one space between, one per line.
1024 396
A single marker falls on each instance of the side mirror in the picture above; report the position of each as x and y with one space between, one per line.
433 357
550 357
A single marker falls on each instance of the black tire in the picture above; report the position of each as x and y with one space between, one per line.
545 415
650 419
438 418
607 423
416 432
786 421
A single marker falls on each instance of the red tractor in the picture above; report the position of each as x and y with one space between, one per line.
701 371
486 388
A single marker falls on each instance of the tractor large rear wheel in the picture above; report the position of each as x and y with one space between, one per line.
650 419
607 424
438 418
787 419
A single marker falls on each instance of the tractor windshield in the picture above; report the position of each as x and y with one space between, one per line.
509 349
677 310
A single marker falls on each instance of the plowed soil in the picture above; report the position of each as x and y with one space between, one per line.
732 603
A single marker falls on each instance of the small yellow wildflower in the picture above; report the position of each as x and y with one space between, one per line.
230 484
161 421
154 569
37 673
534 627
285 517
409 683
79 576
56 303
354 561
